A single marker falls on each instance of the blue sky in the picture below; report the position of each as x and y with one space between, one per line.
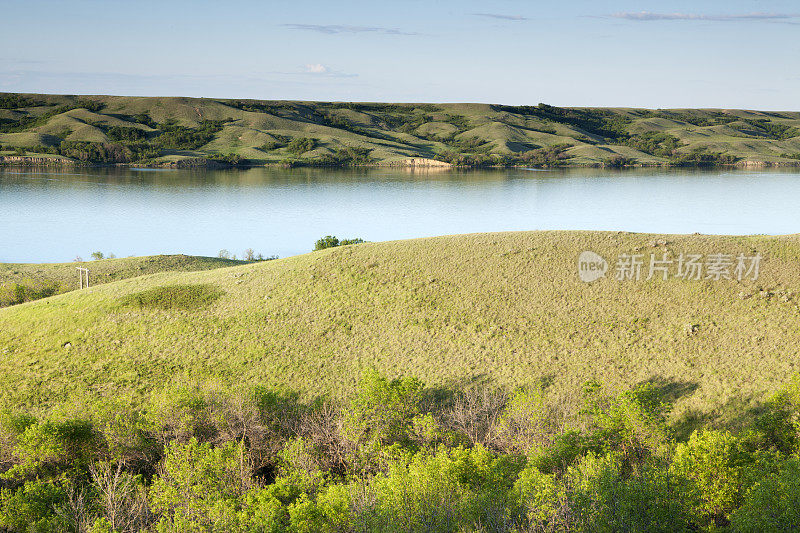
732 54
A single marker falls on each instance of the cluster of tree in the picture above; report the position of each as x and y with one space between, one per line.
397 457
655 143
255 106
277 141
175 137
697 118
702 157
329 241
16 101
543 157
26 121
333 120
599 122
763 127
136 145
459 159
380 108
346 156
618 161
301 145
394 117
229 160
126 134
96 152
29 120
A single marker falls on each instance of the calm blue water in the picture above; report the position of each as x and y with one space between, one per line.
48 216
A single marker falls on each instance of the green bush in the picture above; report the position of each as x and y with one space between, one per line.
51 446
301 145
710 467
447 491
393 458
655 143
329 241
33 508
201 488
702 157
129 134
773 503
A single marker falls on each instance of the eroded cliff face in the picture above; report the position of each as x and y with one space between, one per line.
424 162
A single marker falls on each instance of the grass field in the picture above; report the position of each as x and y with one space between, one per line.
507 308
261 132
24 281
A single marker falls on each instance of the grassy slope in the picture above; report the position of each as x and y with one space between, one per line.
65 277
506 307
248 131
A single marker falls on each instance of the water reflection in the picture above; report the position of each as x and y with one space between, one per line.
52 216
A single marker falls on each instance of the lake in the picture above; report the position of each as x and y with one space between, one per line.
52 216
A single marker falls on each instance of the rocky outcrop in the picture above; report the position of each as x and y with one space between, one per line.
37 160
424 162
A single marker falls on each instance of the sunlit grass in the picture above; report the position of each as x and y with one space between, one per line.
504 307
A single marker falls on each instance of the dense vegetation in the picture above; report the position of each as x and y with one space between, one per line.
598 122
397 456
193 132
131 144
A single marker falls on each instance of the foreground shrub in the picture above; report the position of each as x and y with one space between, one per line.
772 504
450 490
713 470
397 457
50 446
200 488
33 507
594 495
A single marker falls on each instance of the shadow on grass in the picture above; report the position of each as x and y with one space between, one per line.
735 415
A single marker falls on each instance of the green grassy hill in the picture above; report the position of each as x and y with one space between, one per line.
187 131
21 282
507 307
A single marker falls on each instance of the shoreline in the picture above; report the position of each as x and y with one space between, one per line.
40 160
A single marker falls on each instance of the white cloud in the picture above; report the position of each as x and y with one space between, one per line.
332 29
649 15
501 16
316 68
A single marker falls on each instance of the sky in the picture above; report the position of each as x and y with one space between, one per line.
725 54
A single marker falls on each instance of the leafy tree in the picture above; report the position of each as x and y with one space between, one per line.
201 488
381 417
329 241
33 507
710 466
773 503
301 145
129 134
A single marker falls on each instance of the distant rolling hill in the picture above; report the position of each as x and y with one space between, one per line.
192 131
508 308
